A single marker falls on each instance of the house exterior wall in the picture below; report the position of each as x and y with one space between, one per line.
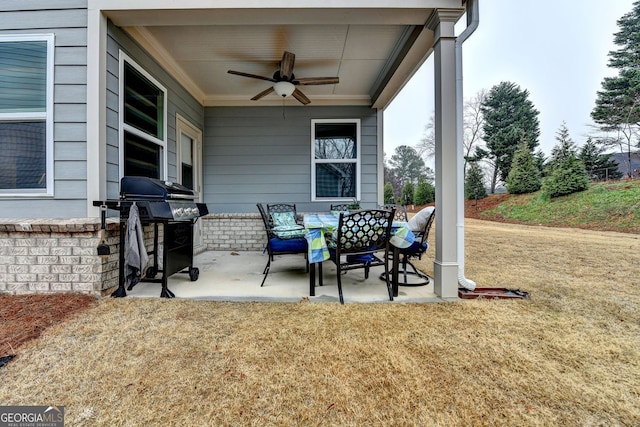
178 101
67 20
255 155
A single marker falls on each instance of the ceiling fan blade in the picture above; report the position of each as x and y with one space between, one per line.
286 65
263 94
307 81
253 76
297 94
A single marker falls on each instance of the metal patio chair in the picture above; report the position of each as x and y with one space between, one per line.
357 239
281 242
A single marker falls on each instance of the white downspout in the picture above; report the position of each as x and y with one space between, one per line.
472 24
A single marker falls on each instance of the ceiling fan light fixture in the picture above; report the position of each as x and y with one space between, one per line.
284 89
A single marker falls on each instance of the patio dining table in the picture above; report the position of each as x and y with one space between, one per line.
317 225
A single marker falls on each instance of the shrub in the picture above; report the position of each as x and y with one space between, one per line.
566 178
425 193
524 175
474 183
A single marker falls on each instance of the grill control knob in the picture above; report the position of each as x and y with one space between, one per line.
179 212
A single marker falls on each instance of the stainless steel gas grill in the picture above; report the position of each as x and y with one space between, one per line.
159 202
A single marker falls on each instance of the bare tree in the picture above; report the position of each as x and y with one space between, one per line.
426 148
473 122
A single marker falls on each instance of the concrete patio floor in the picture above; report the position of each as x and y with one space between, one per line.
236 276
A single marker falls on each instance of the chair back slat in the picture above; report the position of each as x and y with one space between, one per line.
365 231
400 212
281 208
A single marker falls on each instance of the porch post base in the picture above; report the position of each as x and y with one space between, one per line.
446 279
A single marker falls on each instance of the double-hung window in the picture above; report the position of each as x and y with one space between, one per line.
335 159
143 116
26 115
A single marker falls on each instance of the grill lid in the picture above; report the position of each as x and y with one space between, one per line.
144 188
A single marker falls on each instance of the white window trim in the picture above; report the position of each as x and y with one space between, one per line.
314 161
122 126
47 116
185 126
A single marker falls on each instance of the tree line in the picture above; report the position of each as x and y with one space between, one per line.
502 130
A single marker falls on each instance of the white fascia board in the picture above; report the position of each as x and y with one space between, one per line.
262 4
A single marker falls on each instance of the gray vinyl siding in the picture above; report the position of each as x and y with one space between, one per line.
178 101
67 20
254 154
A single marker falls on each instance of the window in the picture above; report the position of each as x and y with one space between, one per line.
189 155
335 162
143 108
26 108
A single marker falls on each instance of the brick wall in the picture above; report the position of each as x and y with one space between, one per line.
48 255
237 232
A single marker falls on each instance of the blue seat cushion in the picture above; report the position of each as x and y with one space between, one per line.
360 259
288 245
354 259
416 248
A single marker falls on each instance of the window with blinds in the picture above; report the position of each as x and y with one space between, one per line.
143 113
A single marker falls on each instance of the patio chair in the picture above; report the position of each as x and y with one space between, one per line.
357 239
282 209
401 212
420 224
281 241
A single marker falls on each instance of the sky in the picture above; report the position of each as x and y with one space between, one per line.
557 50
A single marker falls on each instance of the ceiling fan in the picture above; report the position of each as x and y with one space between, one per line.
284 81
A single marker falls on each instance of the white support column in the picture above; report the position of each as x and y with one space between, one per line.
442 22
96 110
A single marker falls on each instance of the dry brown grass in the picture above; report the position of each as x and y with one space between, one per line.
568 356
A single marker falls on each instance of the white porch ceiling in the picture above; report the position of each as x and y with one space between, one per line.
373 51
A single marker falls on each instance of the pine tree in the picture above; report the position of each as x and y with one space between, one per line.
407 164
618 103
425 192
407 193
566 174
524 176
474 184
599 166
389 198
509 115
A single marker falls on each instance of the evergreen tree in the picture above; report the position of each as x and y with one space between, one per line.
389 198
565 148
474 184
614 104
524 176
390 177
599 166
508 116
566 174
407 194
407 164
425 192
618 103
